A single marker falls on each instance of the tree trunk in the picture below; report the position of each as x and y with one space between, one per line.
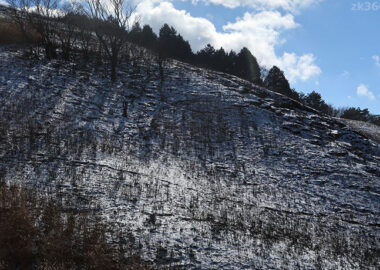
113 68
161 68
66 52
50 51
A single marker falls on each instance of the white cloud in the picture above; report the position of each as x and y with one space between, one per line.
260 32
191 28
287 5
362 91
299 67
3 2
376 58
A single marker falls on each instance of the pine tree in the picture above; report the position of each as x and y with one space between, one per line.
205 56
247 67
171 44
149 38
166 41
135 35
276 81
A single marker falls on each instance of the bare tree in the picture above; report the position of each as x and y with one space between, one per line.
45 20
19 13
112 23
37 15
69 30
86 38
81 28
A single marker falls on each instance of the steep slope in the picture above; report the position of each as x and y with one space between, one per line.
201 170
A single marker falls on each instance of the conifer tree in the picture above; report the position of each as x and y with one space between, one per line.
276 81
149 38
247 67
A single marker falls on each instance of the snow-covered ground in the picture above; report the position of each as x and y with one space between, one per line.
202 170
366 129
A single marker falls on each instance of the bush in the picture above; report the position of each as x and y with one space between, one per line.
35 233
356 114
11 34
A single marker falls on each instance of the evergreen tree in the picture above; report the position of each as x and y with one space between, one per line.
205 56
135 35
171 44
220 60
356 114
315 101
276 81
182 49
231 62
166 41
247 67
149 38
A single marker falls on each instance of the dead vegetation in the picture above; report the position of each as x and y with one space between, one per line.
69 155
35 233
365 129
11 34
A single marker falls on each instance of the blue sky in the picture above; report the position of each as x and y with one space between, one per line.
330 46
346 44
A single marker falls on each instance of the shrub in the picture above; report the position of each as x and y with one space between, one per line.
11 34
36 233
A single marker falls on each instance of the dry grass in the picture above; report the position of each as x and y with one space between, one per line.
11 34
36 234
365 129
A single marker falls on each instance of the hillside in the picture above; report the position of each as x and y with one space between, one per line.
201 170
366 129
